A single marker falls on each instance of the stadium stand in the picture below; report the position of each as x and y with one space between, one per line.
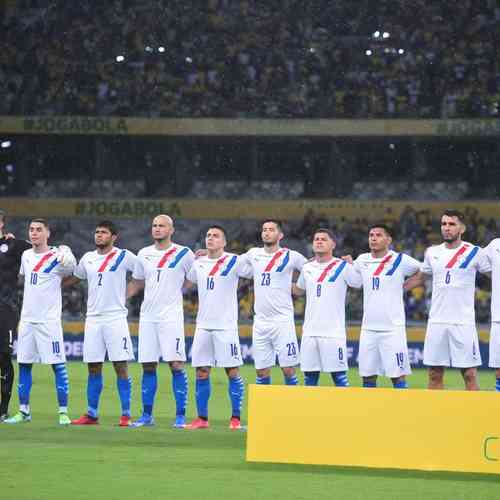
254 59
247 58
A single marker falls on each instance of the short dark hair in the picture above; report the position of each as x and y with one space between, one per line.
111 226
325 231
278 223
220 228
39 220
455 213
383 226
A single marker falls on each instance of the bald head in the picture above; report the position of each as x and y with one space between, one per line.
165 218
162 229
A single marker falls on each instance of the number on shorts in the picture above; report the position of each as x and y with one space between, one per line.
56 348
318 290
400 359
447 278
234 350
99 279
292 350
375 283
158 274
124 340
266 279
341 354
177 344
210 283
34 278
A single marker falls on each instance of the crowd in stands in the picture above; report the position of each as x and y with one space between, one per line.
252 58
414 231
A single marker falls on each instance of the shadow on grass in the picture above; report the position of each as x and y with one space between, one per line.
371 472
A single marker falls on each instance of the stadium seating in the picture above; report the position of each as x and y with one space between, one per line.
250 58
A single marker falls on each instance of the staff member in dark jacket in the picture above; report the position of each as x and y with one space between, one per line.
10 260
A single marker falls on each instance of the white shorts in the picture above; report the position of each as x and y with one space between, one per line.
216 348
161 339
494 361
274 339
451 345
40 343
112 336
383 353
323 354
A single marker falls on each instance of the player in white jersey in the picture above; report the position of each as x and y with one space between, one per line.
492 252
160 270
272 268
383 349
324 281
216 341
451 338
40 330
106 327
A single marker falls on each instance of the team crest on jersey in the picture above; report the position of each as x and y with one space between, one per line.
4 247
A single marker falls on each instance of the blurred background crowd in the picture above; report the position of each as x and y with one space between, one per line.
252 58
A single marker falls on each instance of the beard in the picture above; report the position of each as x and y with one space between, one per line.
450 239
269 243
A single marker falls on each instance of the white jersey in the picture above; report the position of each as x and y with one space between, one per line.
383 279
163 272
217 281
42 300
272 280
492 252
326 284
453 273
107 282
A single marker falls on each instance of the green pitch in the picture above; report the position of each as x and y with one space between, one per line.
41 460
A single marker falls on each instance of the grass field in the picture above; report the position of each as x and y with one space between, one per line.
41 460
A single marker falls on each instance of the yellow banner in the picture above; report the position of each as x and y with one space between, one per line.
383 428
246 127
232 209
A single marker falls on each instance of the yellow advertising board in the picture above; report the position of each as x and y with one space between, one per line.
233 209
381 428
247 127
